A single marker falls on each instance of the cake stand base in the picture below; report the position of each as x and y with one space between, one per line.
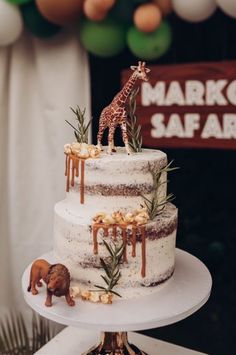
114 343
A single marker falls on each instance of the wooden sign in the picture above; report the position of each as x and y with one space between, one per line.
188 105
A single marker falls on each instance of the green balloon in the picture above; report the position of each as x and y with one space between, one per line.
36 23
103 39
150 46
18 2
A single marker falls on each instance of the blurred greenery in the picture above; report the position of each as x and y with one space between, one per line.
204 187
15 337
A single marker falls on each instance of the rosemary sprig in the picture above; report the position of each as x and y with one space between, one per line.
111 268
133 128
81 133
156 204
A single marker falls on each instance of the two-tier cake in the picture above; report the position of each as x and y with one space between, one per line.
106 185
115 198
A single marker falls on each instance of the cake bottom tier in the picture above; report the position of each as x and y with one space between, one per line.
148 260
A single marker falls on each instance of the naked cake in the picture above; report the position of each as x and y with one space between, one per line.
116 196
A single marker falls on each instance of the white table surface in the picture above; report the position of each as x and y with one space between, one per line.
74 341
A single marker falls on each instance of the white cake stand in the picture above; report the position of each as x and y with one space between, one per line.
187 291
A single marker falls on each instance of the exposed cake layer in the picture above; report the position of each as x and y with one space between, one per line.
74 246
116 181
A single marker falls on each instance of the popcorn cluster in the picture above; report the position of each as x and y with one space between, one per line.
82 150
137 217
92 296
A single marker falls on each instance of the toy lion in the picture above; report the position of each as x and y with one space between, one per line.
56 277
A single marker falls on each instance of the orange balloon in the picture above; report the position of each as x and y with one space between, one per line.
147 17
92 13
165 6
103 5
60 12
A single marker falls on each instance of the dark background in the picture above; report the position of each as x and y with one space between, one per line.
204 186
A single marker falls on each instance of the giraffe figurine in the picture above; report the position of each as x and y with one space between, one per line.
115 113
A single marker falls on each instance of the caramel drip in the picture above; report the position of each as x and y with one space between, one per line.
82 183
95 240
66 165
114 231
124 237
142 230
134 231
73 173
68 174
105 231
143 234
77 168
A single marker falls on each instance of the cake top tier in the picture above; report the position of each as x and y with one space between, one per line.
113 182
121 161
118 168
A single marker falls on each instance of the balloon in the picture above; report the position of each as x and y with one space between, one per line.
104 39
60 12
18 2
228 6
147 18
150 46
194 10
11 24
165 6
92 13
36 23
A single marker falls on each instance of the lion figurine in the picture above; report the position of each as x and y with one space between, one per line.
56 277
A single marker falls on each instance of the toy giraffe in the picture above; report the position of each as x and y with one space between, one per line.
115 114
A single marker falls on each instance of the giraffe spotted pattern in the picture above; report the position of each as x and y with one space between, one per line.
115 113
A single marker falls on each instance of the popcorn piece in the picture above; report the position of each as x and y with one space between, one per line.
144 214
85 295
94 297
82 150
98 147
106 298
94 152
67 148
108 219
141 219
84 153
75 291
98 218
129 217
118 217
90 147
139 216
75 148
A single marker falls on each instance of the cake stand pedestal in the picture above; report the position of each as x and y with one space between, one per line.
187 291
114 343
